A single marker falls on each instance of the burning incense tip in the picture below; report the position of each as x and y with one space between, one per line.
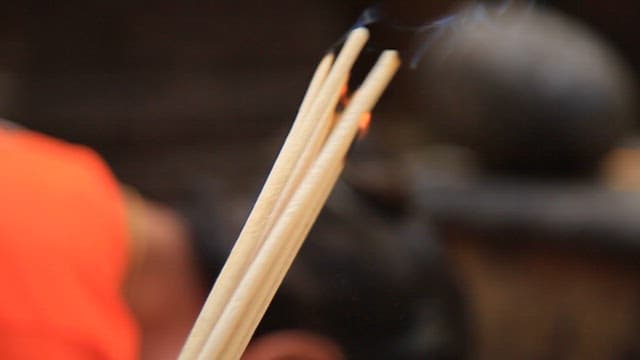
344 93
252 274
363 126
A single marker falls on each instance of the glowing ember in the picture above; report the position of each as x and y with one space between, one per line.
363 127
365 121
344 92
344 96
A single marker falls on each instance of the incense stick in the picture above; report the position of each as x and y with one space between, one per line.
295 222
251 235
309 154
318 97
246 328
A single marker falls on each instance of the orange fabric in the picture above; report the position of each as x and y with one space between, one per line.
63 253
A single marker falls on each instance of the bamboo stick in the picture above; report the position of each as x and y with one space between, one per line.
293 226
244 333
251 235
319 97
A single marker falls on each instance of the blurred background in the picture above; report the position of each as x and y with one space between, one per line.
192 100
172 92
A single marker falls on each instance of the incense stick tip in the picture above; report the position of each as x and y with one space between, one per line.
360 32
391 56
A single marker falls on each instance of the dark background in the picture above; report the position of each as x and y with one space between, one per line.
175 92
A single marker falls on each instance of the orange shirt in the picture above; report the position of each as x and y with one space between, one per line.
63 253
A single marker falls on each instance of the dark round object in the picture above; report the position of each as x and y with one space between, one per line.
530 91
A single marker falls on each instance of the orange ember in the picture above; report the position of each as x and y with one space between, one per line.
365 121
344 92
344 95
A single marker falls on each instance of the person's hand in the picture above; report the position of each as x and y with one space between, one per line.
293 345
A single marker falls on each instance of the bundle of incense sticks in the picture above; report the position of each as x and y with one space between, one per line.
295 191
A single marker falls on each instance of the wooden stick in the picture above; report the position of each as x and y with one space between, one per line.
254 230
295 221
309 154
243 335
251 235
248 323
324 110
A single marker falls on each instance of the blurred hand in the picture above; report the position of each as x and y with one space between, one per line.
293 345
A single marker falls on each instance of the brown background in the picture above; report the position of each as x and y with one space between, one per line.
177 92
